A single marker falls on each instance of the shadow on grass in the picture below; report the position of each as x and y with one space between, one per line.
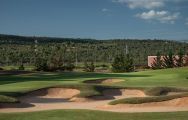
36 99
22 76
16 105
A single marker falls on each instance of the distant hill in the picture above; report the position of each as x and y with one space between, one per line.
13 48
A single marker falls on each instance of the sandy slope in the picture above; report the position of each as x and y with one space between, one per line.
64 98
103 81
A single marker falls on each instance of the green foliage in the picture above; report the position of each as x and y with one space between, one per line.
169 60
69 66
41 64
157 64
21 67
186 60
140 100
118 64
1 68
55 61
89 66
122 63
16 49
158 91
129 63
7 99
180 59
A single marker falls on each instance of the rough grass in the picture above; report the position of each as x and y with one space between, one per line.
7 99
91 115
158 91
140 100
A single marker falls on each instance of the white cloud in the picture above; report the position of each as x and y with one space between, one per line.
148 4
105 10
162 16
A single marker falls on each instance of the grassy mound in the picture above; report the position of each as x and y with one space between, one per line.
91 115
140 100
7 99
85 90
158 91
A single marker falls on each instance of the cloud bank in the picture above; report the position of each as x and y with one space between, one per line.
162 16
148 4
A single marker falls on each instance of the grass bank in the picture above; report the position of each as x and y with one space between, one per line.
92 115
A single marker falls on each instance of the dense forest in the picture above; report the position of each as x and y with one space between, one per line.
16 50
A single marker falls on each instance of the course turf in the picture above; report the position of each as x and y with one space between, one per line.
16 84
92 115
159 78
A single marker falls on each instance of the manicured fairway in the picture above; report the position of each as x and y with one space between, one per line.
20 83
23 82
92 115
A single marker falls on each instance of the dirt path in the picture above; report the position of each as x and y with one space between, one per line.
63 98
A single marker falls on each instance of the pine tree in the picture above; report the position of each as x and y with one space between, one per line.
129 63
122 63
186 60
169 60
118 64
89 67
157 63
41 64
180 59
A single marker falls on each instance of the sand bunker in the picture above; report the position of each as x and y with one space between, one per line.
55 93
103 81
50 95
112 94
123 93
65 98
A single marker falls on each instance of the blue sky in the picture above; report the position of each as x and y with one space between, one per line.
98 19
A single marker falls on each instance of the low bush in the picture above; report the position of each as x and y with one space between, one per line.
21 67
89 67
157 91
140 100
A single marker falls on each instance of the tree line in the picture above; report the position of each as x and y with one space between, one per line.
67 53
170 60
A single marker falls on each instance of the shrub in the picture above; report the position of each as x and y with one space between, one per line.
68 67
41 65
21 67
140 100
169 60
157 91
118 64
157 64
122 64
89 67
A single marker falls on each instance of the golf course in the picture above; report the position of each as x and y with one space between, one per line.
144 95
93 60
